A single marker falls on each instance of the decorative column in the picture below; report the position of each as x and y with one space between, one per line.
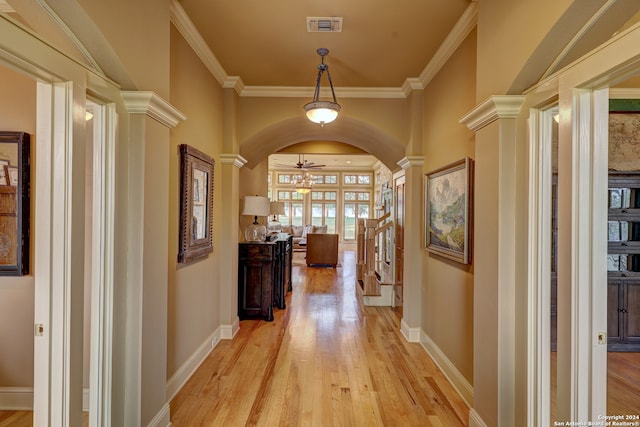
494 122
229 322
413 251
150 118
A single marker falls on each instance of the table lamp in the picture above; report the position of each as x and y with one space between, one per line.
276 208
255 206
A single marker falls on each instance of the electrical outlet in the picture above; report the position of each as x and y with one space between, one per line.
602 338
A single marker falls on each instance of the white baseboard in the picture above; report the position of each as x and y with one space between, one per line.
475 420
162 418
385 299
227 332
21 399
16 398
187 369
410 334
459 382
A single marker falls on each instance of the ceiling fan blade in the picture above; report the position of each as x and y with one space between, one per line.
312 166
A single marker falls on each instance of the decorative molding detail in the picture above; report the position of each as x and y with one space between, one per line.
228 332
162 418
6 7
459 382
493 108
16 398
475 420
411 84
410 334
624 93
71 35
233 159
182 375
459 32
411 161
185 26
307 92
149 103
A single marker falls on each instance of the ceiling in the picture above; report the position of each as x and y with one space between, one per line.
382 43
283 161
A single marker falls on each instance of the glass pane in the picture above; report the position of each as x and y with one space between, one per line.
296 218
317 179
283 195
330 195
349 179
297 196
316 214
363 210
349 221
330 217
331 179
364 179
284 179
349 195
199 220
363 196
316 195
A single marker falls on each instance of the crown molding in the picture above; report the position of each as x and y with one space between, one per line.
492 109
6 7
185 26
233 159
454 39
149 103
307 92
411 161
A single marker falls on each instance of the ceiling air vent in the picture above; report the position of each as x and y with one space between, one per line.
324 25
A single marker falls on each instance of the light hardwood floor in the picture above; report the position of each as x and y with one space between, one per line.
325 360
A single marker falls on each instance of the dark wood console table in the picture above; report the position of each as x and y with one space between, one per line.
264 277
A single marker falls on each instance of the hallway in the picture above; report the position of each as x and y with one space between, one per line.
325 360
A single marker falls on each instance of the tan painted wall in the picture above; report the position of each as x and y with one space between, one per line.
508 32
138 31
447 285
388 115
193 313
17 113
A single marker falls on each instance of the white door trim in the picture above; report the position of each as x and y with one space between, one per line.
102 265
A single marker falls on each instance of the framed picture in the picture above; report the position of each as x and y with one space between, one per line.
11 175
14 203
3 172
448 211
196 204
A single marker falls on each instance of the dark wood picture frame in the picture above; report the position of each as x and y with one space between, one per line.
15 204
196 204
449 211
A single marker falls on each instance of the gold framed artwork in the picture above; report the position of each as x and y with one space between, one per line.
448 211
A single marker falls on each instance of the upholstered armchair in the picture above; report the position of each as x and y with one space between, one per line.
322 249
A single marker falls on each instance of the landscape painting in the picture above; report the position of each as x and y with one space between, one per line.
448 196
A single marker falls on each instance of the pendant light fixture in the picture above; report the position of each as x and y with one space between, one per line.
322 111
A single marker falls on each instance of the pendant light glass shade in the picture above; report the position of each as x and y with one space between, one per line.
318 111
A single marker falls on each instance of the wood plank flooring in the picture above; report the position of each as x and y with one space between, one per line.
325 360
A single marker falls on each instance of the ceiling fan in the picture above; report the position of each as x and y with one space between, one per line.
302 164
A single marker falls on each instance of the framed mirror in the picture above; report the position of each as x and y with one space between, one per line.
196 204
14 203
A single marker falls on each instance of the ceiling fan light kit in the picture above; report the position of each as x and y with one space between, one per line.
318 111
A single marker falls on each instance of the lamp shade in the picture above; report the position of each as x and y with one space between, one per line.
256 206
277 208
322 111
